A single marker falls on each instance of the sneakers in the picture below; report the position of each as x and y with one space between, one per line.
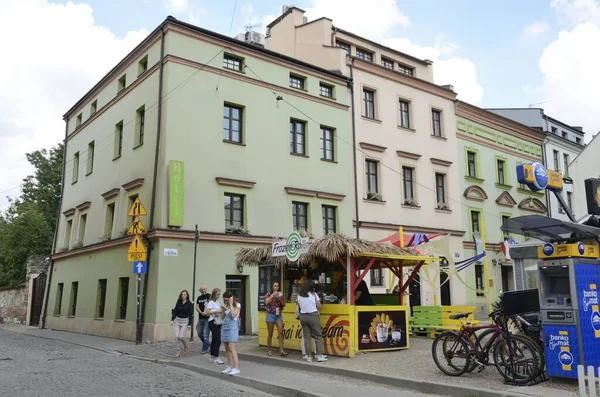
226 370
309 359
234 372
321 358
204 352
218 361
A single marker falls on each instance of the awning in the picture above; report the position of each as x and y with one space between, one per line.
548 229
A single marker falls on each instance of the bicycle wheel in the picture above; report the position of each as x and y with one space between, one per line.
456 353
517 359
480 342
538 352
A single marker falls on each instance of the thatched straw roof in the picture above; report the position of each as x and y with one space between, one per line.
329 247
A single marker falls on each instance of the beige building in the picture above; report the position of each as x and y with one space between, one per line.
404 130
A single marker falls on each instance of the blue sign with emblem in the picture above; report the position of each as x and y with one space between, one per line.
537 177
580 248
139 267
548 249
596 321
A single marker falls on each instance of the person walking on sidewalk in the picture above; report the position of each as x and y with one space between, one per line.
202 327
182 318
215 320
275 303
309 304
231 332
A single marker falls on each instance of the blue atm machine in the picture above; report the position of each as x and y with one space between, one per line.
569 282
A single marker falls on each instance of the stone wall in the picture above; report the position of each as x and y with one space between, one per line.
13 305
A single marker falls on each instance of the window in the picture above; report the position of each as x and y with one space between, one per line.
327 152
566 163
404 114
405 70
232 124
90 158
500 165
368 104
101 299
142 65
68 230
326 90
376 277
81 231
329 219
59 296
234 210
504 219
140 122
408 183
300 215
472 164
73 299
118 140
387 63
232 62
78 120
75 167
479 279
564 134
122 298
345 46
556 162
110 220
297 134
93 107
121 84
475 221
554 130
436 117
297 81
371 173
578 140
570 200
440 188
364 55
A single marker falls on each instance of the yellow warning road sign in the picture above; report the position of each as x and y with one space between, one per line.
136 246
137 209
136 257
137 227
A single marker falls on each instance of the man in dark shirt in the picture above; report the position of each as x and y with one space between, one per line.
202 327
363 296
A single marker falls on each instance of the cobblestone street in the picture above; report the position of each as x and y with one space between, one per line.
31 366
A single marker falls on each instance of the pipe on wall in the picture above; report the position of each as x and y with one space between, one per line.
351 84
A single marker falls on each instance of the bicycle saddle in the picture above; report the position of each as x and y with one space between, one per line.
458 316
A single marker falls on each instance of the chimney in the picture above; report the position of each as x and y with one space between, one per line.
448 87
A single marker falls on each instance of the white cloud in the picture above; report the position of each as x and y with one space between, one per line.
177 5
577 11
51 65
447 69
535 29
570 67
372 19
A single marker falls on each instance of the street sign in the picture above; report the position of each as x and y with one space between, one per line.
137 227
136 246
137 209
136 257
139 267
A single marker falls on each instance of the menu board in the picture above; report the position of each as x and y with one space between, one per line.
268 273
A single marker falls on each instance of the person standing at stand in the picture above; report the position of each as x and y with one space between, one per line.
274 303
202 328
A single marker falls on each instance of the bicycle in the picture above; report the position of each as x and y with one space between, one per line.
509 351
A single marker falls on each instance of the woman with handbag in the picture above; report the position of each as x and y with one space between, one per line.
182 317
274 303
215 321
309 305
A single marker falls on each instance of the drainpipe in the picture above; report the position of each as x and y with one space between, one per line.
51 268
548 201
351 84
140 330
332 35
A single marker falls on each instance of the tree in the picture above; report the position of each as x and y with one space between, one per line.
27 227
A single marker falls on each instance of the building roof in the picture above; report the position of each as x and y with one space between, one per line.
336 74
282 16
576 129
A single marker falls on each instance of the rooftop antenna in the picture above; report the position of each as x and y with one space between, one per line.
250 27
539 103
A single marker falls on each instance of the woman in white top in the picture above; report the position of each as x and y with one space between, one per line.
215 319
230 332
309 305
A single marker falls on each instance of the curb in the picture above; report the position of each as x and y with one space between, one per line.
397 382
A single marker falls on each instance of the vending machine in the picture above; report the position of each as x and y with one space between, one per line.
569 278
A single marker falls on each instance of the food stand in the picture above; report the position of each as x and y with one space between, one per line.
332 261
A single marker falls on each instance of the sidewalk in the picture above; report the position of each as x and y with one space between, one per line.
410 369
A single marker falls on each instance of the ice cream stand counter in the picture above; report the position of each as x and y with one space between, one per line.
347 328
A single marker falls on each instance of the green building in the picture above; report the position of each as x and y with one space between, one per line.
204 129
490 147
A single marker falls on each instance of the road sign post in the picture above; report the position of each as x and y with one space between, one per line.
137 254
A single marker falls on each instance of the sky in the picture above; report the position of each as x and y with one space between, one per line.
509 53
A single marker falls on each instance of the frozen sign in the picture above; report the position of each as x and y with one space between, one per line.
291 247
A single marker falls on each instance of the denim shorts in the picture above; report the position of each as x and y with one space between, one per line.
273 318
